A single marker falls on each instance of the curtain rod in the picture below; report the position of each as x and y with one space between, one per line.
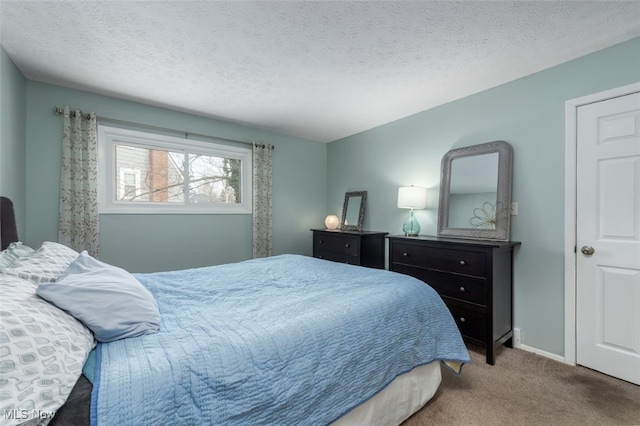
60 111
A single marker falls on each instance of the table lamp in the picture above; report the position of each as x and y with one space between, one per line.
412 197
332 221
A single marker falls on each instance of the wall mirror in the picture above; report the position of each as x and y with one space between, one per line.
475 192
353 210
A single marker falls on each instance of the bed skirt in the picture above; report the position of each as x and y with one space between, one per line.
399 400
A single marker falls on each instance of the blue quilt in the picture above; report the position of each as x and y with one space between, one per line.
281 340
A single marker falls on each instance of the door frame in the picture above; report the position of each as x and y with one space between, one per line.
570 209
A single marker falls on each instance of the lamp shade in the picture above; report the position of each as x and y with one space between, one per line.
332 221
412 197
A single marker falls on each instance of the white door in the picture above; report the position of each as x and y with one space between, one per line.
608 237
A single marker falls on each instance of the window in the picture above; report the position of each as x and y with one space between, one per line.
142 172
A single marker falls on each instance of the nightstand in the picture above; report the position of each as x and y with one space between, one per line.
364 248
473 277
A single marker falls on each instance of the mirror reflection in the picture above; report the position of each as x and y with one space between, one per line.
473 192
353 210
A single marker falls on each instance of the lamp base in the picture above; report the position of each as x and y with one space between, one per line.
411 227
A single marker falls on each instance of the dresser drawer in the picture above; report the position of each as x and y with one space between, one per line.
340 245
460 287
458 261
337 257
471 322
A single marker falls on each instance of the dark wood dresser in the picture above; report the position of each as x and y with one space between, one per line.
364 248
473 277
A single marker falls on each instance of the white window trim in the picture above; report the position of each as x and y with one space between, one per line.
108 137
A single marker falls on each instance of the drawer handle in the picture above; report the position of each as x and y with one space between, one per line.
321 241
462 319
405 254
462 262
347 245
463 289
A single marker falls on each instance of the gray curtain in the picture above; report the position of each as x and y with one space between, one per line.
78 221
262 203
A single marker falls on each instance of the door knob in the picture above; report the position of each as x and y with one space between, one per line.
587 250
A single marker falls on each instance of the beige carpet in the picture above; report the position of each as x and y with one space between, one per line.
528 389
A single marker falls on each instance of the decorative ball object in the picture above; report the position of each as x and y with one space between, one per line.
332 221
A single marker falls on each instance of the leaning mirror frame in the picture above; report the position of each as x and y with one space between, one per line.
503 196
348 210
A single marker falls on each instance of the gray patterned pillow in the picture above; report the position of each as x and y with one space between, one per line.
45 264
42 351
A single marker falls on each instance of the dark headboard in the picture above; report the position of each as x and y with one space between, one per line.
8 228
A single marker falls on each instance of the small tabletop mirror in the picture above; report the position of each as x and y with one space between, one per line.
475 192
353 210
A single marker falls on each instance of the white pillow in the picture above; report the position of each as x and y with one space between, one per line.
12 253
43 265
105 298
42 351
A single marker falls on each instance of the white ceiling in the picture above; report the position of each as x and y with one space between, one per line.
316 69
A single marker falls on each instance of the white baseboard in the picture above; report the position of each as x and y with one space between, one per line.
543 353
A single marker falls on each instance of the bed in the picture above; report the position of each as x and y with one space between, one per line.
283 340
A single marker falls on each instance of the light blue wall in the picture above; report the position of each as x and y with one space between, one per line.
527 113
12 137
143 243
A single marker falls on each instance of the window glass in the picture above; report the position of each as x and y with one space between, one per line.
148 175
213 179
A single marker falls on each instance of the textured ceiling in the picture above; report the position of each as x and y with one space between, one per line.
315 69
